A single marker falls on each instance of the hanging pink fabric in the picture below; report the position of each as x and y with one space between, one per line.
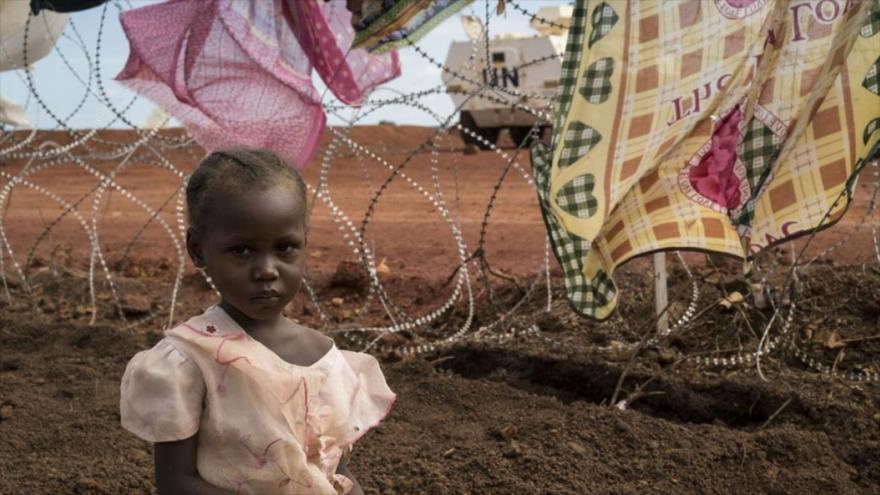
234 73
715 177
324 28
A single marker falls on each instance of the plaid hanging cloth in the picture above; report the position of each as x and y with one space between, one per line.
725 126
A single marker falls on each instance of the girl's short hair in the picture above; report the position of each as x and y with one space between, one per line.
230 170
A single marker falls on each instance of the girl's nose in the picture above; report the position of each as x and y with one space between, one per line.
264 269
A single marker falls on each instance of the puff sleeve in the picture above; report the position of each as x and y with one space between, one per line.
162 393
354 399
372 398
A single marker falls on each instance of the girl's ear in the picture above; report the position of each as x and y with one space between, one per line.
194 247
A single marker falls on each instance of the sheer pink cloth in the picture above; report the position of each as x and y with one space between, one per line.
325 29
238 72
264 425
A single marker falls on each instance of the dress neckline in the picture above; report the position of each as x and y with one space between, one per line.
222 314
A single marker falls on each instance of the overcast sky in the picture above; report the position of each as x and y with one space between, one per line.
60 89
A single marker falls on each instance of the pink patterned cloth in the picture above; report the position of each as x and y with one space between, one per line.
715 177
237 72
264 425
325 27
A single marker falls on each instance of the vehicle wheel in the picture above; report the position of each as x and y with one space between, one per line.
546 134
490 134
520 135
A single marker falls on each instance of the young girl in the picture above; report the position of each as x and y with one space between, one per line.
240 399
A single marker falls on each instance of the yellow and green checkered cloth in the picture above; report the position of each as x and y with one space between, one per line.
717 125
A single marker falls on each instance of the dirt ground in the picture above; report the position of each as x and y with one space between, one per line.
533 414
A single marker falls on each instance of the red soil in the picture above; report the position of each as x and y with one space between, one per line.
524 417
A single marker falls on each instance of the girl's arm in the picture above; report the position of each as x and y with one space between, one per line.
176 471
343 470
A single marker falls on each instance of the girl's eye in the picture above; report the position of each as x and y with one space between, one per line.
286 248
239 250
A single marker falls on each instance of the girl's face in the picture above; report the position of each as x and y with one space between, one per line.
252 245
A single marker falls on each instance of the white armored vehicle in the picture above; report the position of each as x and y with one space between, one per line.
523 69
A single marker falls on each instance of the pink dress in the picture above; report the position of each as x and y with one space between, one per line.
264 425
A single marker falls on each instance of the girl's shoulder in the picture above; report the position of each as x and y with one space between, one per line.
315 345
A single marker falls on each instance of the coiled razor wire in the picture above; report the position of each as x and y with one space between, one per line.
507 322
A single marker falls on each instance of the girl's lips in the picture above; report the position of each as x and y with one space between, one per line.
266 302
269 296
